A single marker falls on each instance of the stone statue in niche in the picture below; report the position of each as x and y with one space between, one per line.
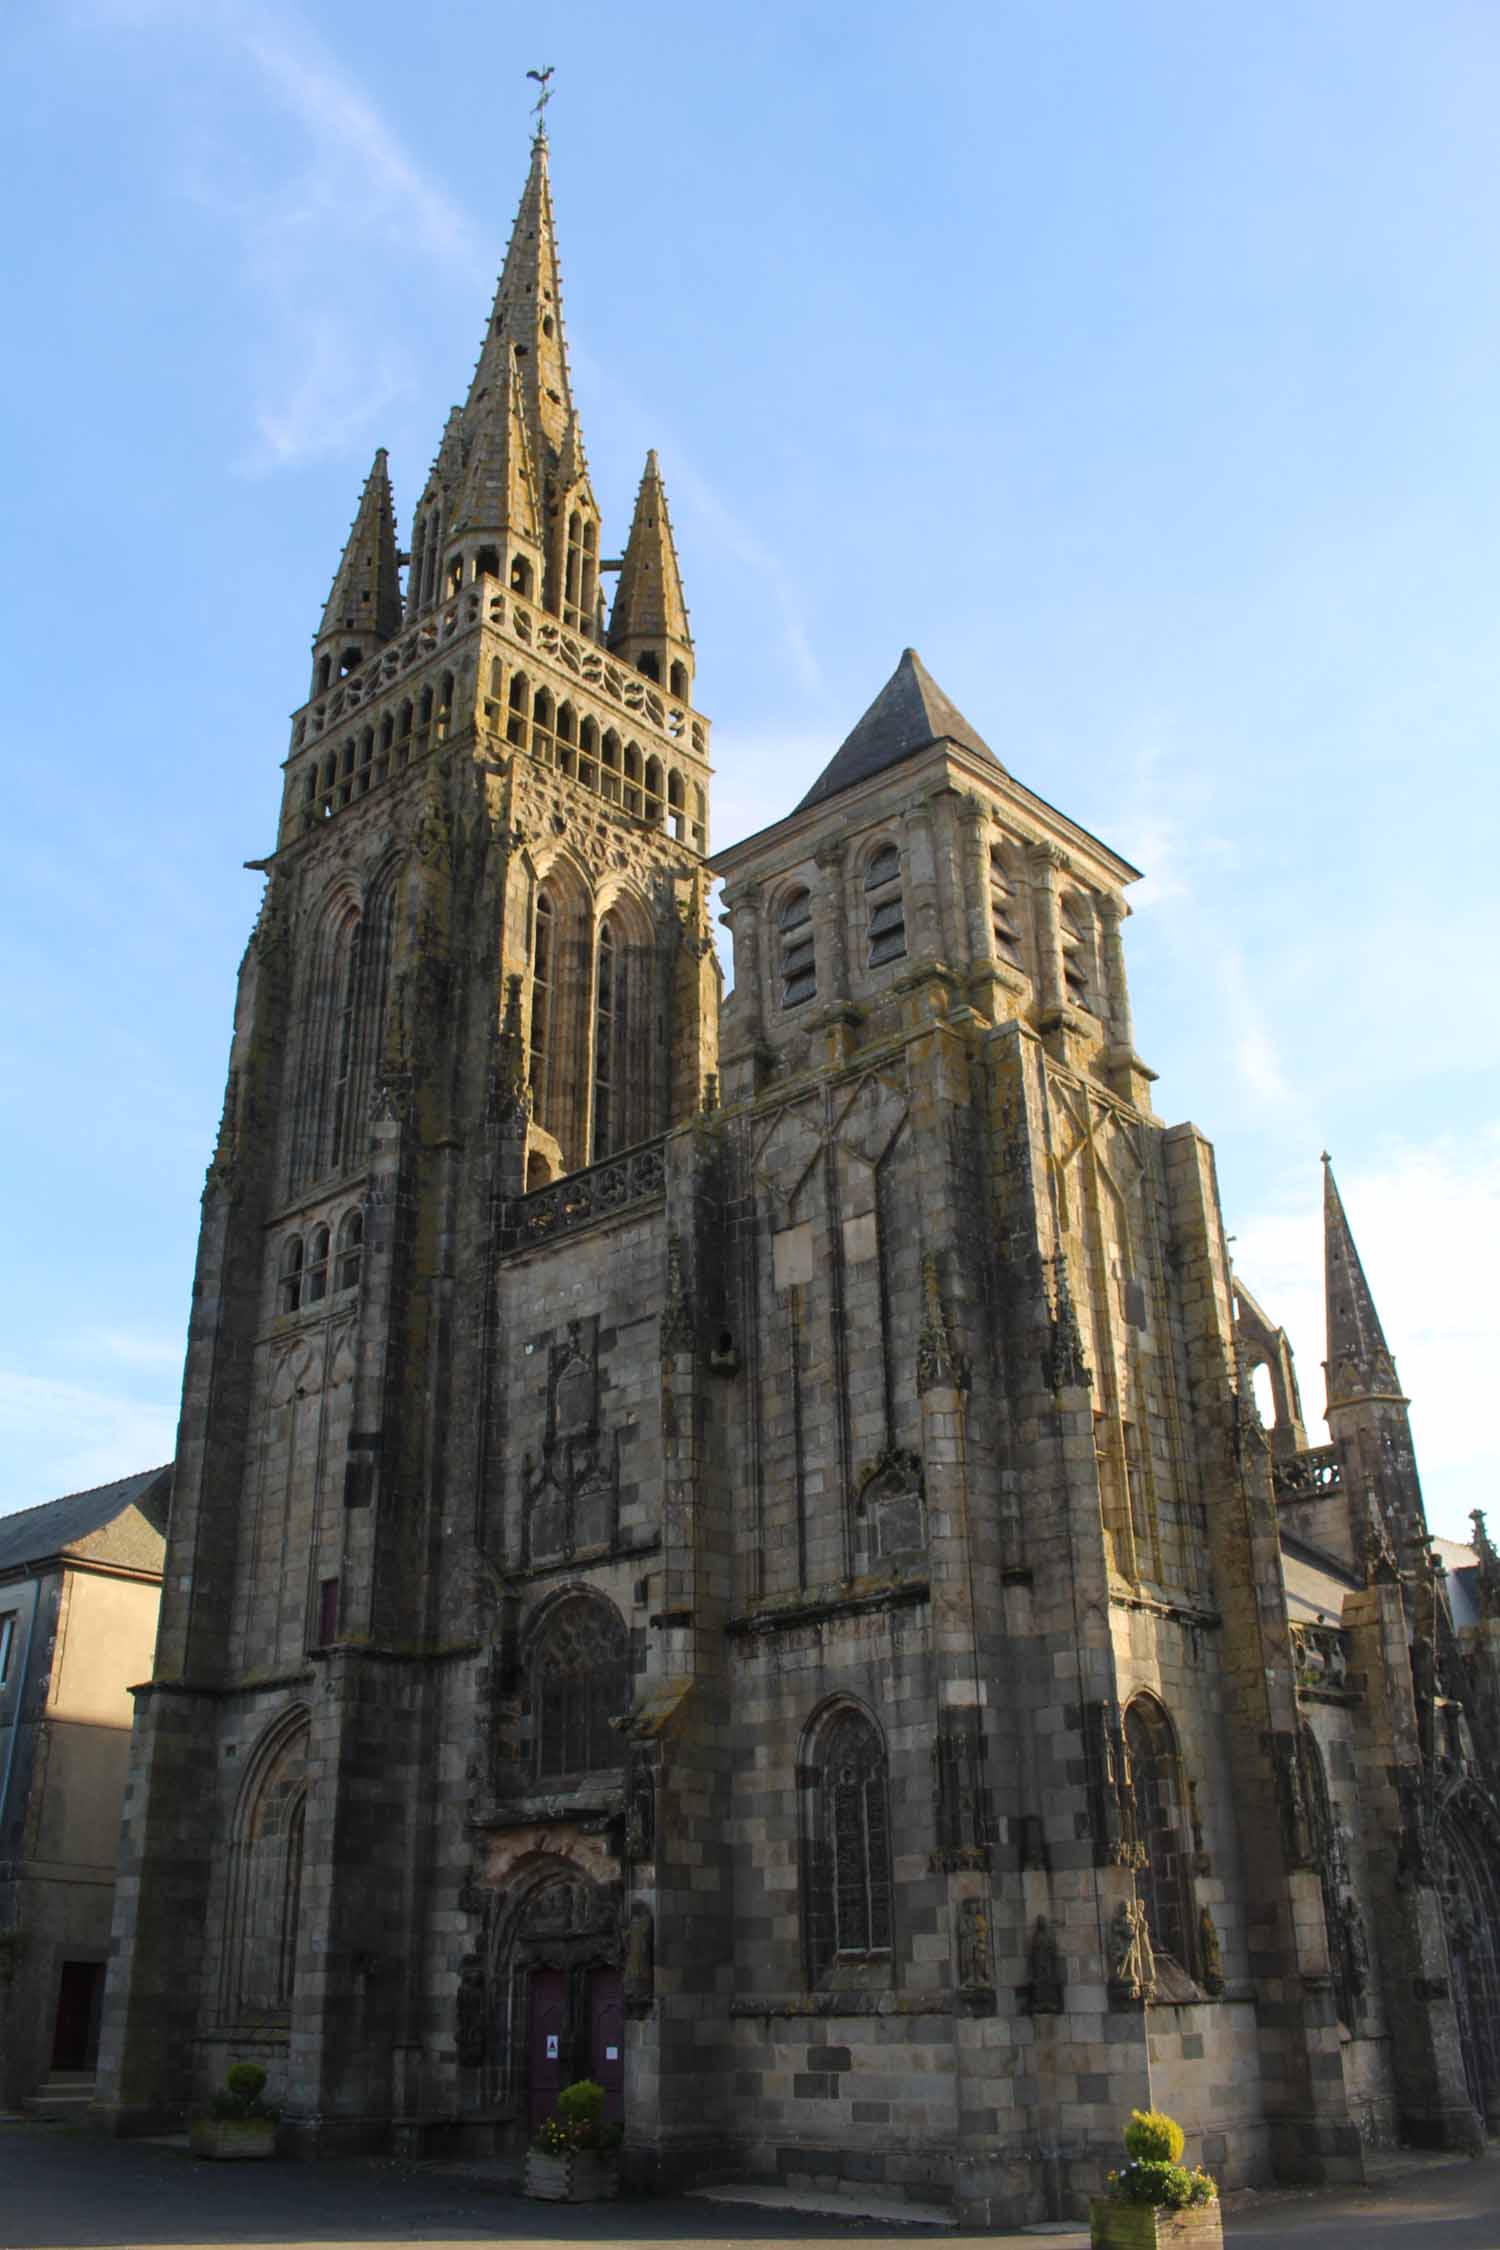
965 1829
639 1978
1046 1978
976 1961
471 2012
1132 1963
1210 1956
640 1812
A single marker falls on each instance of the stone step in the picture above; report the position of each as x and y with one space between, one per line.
62 2098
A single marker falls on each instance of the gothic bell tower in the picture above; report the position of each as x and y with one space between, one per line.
481 964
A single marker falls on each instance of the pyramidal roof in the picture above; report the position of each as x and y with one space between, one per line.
910 713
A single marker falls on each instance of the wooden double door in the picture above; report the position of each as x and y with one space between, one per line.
575 2029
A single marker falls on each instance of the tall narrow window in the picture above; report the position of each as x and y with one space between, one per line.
289 1275
847 1846
7 1643
350 1249
542 951
580 1683
315 1275
799 965
609 1039
1157 1821
886 909
1078 953
260 1957
1005 911
517 705
342 1136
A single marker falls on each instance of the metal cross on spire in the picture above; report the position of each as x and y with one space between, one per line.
545 96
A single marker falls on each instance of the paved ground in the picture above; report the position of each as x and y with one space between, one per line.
64 2190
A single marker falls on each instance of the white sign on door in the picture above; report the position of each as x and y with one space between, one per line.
552 2046
611 2054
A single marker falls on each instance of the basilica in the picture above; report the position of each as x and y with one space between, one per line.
728 1544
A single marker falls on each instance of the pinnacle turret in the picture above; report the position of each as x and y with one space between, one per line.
497 489
1359 1363
364 604
649 622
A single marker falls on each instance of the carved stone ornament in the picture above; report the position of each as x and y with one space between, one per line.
1381 1568
976 1960
965 1829
1064 1367
390 1098
471 2010
1108 1764
1132 1962
1355 1947
940 1365
1297 1834
1210 1956
639 1979
1489 1566
677 1331
640 1811
1046 1977
510 1098
1416 1860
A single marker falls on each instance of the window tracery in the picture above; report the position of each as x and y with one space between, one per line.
847 1854
580 1684
1156 1815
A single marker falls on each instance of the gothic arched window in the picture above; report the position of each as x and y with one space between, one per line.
543 962
289 1275
799 964
886 911
846 1859
580 1683
351 1244
265 1881
609 1038
1157 1821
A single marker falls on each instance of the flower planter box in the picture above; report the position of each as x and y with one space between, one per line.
582 2176
1141 2226
232 2140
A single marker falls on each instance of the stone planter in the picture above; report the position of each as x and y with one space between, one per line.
1140 2226
232 2140
582 2176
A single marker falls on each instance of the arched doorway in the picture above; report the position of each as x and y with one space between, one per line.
558 1978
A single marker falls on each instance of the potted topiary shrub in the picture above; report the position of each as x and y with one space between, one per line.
1153 2198
239 2124
574 2156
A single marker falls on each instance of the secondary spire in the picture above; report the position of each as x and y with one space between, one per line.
364 603
1359 1363
648 624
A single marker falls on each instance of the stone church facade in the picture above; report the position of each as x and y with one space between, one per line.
728 1545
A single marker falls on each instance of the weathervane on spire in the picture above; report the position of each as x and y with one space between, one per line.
545 96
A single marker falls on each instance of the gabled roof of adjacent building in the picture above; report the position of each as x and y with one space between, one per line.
124 1522
910 713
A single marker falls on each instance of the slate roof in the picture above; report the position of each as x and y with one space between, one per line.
910 712
31 1535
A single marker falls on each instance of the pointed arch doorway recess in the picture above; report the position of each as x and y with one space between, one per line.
559 1973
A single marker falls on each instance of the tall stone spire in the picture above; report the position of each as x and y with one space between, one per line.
364 605
649 619
1359 1363
526 326
498 490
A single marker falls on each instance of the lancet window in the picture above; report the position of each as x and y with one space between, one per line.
799 963
265 1883
846 1859
343 1012
885 908
1157 1814
609 1040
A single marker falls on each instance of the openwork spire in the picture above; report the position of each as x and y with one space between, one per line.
365 600
1359 1363
498 490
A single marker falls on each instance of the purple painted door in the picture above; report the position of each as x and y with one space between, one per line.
546 2008
607 2039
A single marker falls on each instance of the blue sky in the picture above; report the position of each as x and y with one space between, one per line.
1140 364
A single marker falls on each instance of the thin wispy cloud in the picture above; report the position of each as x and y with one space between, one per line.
307 234
64 1436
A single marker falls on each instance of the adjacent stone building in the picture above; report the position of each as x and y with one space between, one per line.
80 1580
731 1546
